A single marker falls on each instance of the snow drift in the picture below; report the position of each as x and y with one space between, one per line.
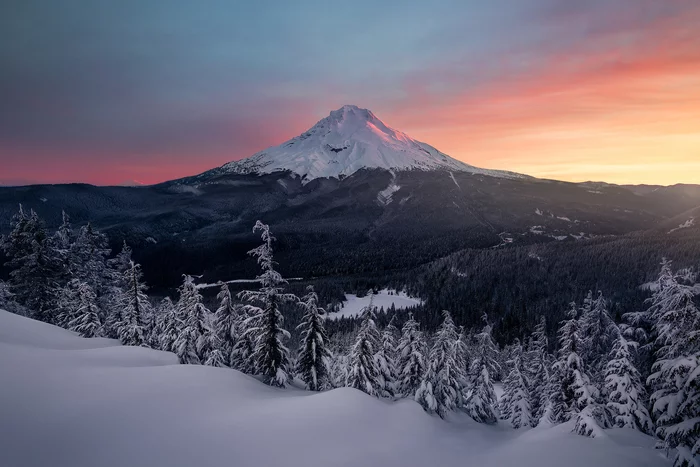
67 401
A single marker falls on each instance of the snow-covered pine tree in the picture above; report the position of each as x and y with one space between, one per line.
186 346
537 371
67 303
89 253
115 289
265 327
216 356
135 307
410 351
463 358
314 356
363 373
195 326
170 325
339 369
35 268
638 326
675 376
574 390
441 386
86 321
7 301
480 401
62 243
515 403
625 391
226 322
385 359
598 333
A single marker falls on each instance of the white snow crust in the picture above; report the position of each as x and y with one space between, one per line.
68 401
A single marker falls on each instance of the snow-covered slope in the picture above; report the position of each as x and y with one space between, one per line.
67 401
346 141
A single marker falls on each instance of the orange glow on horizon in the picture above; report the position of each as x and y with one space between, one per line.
621 116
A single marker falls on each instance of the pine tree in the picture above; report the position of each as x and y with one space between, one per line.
675 374
186 346
313 362
89 254
35 268
480 402
625 389
440 389
216 356
537 372
515 403
411 358
7 301
116 286
598 332
363 373
86 321
265 327
339 369
170 325
385 360
226 322
135 306
195 329
574 391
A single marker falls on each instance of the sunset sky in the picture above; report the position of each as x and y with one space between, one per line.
106 91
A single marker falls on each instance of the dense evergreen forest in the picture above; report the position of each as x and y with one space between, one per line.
612 363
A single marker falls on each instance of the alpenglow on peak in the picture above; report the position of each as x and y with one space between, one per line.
350 139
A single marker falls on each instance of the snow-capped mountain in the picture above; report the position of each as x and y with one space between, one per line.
348 140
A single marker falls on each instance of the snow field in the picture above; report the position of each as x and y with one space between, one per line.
68 401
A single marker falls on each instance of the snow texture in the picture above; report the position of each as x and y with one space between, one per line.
354 305
68 401
348 140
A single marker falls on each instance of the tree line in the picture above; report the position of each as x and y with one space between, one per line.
641 372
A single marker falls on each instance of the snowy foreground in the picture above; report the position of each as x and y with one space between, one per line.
68 401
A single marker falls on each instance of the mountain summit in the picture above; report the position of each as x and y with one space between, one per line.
348 140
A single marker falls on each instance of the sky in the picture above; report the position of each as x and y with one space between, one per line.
105 91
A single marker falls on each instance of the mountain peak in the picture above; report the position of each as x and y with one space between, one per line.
350 139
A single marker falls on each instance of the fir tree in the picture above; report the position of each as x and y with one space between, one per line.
675 374
170 327
135 306
537 372
86 321
117 284
7 301
574 391
598 332
440 388
411 358
625 389
515 403
194 327
480 402
385 360
216 356
265 327
363 373
226 322
35 268
339 369
314 356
